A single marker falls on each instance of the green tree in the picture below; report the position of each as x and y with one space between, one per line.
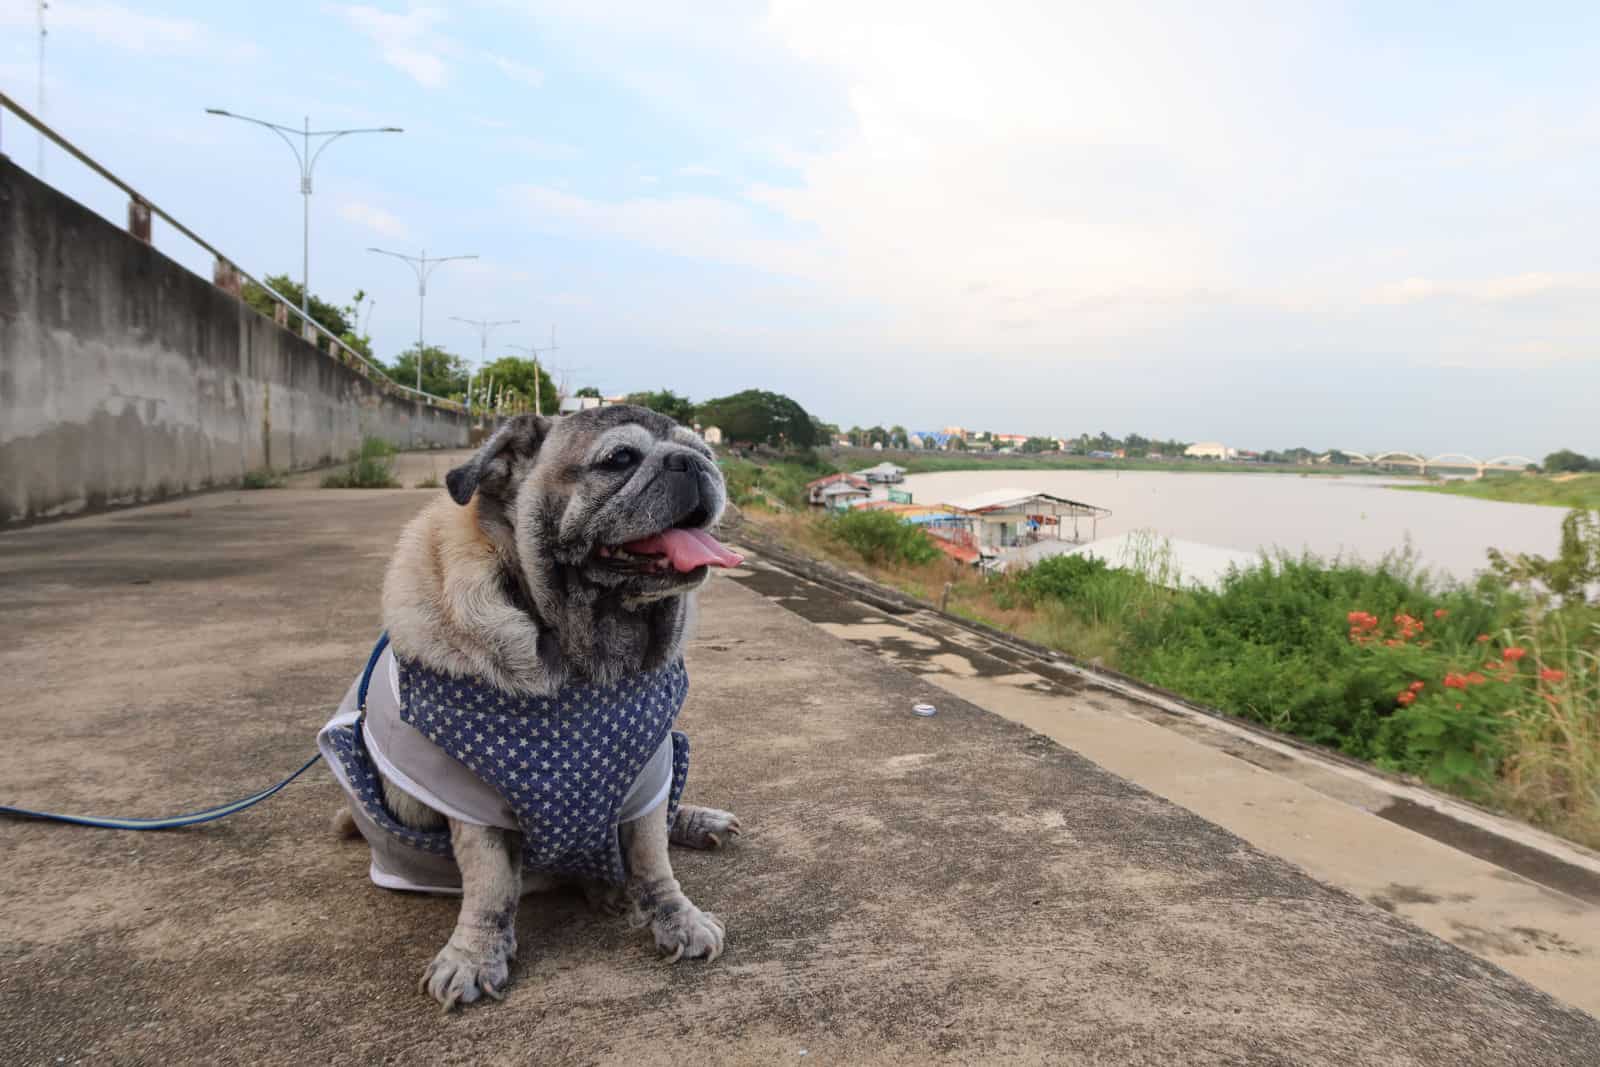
957 444
1038 444
443 372
760 417
1574 570
339 321
518 374
588 390
670 404
898 438
1566 461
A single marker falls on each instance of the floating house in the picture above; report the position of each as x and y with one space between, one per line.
883 474
842 496
1008 522
814 489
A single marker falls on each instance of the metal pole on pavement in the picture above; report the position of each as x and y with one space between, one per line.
307 161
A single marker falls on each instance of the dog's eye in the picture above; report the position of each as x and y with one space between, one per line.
620 459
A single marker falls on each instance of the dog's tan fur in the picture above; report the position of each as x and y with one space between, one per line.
490 585
443 604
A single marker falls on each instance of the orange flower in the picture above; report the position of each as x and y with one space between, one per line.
1455 681
1514 653
1406 698
1476 679
1550 674
1483 639
1440 613
1394 642
1417 686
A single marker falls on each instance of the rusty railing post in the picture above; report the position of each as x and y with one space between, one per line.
225 276
139 220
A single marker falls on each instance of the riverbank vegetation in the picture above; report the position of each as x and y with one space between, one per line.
1553 490
1489 690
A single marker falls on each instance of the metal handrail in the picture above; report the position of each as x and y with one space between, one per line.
71 149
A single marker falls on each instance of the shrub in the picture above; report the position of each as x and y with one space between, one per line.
880 537
262 478
370 467
1059 577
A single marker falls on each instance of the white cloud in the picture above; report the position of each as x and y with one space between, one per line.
698 227
695 170
408 42
489 123
1487 290
373 218
520 72
117 26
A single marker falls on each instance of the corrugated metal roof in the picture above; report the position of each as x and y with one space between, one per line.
1014 499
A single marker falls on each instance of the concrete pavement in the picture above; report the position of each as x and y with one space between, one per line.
958 889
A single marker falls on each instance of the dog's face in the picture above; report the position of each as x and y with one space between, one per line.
611 500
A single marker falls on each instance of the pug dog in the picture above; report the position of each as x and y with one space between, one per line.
516 732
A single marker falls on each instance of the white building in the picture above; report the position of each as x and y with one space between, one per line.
1211 450
712 435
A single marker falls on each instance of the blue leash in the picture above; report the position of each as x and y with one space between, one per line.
209 814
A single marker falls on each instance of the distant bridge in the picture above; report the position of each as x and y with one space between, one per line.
1444 461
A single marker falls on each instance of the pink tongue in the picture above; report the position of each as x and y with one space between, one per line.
686 549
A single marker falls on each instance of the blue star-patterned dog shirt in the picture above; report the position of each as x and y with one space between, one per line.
563 769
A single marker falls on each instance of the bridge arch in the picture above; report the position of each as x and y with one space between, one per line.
1505 460
1444 459
1389 457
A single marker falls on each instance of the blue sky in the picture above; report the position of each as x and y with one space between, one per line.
1368 225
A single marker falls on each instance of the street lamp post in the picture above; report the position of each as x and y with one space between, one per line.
484 326
424 266
534 352
308 161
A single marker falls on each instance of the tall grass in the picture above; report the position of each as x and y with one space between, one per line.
369 467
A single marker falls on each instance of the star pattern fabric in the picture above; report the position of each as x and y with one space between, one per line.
564 763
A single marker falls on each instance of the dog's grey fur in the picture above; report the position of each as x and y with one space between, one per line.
500 581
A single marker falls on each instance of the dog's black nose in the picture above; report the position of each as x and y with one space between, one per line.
676 461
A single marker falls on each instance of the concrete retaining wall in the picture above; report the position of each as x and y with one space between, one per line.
126 378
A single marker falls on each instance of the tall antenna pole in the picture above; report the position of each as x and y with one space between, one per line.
43 33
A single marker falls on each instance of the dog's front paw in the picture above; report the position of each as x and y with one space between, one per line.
686 932
458 975
697 827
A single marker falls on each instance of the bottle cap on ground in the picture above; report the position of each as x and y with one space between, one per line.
925 710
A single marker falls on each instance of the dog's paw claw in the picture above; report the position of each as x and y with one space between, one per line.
459 976
689 933
697 827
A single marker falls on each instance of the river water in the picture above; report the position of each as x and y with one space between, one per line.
1327 515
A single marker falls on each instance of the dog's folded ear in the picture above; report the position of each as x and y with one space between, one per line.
490 470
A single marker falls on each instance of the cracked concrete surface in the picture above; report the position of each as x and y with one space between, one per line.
958 889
